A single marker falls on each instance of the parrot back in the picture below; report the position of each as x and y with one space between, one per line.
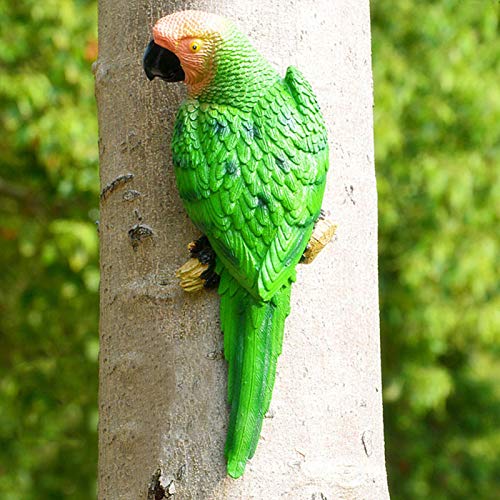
253 181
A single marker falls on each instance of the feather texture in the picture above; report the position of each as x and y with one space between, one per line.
252 178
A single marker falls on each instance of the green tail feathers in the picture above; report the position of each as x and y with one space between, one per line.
253 335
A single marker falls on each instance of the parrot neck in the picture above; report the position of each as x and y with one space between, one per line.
241 75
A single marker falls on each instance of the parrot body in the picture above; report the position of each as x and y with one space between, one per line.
250 155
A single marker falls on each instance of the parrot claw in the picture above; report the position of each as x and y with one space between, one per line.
199 271
323 232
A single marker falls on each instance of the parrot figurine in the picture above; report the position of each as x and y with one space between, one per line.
250 155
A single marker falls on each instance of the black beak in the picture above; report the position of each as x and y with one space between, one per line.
162 63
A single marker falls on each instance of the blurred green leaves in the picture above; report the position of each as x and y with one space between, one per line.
48 248
437 131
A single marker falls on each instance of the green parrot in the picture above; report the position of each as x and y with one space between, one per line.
250 155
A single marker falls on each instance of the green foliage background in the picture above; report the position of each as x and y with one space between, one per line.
48 250
437 117
437 132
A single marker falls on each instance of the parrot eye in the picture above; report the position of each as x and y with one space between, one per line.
195 46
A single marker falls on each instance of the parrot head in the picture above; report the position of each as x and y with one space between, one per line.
183 46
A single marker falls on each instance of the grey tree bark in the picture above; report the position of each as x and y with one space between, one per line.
162 373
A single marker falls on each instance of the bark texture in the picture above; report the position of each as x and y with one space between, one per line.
162 372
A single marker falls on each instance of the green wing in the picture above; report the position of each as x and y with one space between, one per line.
254 182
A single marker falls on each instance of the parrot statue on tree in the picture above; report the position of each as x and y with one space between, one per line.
250 155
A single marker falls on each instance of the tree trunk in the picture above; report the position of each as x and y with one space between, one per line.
162 373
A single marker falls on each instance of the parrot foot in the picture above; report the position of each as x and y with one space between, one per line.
323 232
199 271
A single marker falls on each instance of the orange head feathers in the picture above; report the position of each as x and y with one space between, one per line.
192 35
208 53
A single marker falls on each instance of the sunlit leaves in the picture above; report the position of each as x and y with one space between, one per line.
437 110
48 248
